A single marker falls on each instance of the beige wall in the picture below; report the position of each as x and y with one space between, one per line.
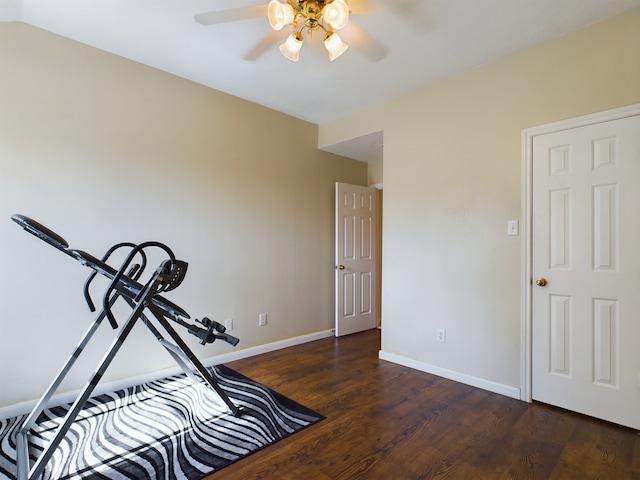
375 173
104 150
452 179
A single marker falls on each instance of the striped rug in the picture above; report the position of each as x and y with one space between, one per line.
169 429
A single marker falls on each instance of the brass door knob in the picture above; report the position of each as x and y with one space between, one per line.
541 282
339 267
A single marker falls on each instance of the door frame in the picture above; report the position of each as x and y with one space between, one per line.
526 231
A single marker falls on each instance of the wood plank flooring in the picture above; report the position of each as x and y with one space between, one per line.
386 421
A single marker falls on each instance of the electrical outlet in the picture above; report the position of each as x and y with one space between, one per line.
262 319
228 324
442 335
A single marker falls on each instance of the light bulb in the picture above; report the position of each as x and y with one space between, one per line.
334 45
336 14
280 14
291 47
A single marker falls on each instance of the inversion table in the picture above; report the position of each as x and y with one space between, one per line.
125 284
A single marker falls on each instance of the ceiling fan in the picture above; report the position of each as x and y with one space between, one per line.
305 17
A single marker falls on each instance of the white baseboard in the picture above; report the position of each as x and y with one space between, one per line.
269 347
494 387
68 397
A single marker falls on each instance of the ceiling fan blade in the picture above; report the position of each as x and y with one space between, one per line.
231 15
362 41
407 7
363 7
400 7
268 41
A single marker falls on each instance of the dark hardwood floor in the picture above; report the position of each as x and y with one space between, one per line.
386 421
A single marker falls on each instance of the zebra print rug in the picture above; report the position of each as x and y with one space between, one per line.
169 429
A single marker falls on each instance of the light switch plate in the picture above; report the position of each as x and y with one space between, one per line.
512 227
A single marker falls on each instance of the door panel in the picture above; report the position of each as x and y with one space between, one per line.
586 233
356 211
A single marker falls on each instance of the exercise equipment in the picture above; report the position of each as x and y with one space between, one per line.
124 283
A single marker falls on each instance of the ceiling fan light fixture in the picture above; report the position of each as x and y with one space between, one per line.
334 45
280 14
336 14
291 47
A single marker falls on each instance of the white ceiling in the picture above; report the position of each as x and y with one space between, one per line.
425 41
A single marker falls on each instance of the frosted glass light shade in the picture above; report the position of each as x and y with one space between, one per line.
291 47
336 14
280 14
334 45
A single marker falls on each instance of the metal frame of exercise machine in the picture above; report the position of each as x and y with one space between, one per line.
124 284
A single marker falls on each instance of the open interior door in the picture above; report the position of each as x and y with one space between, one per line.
356 247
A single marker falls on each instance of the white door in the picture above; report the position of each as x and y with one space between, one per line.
356 223
586 247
